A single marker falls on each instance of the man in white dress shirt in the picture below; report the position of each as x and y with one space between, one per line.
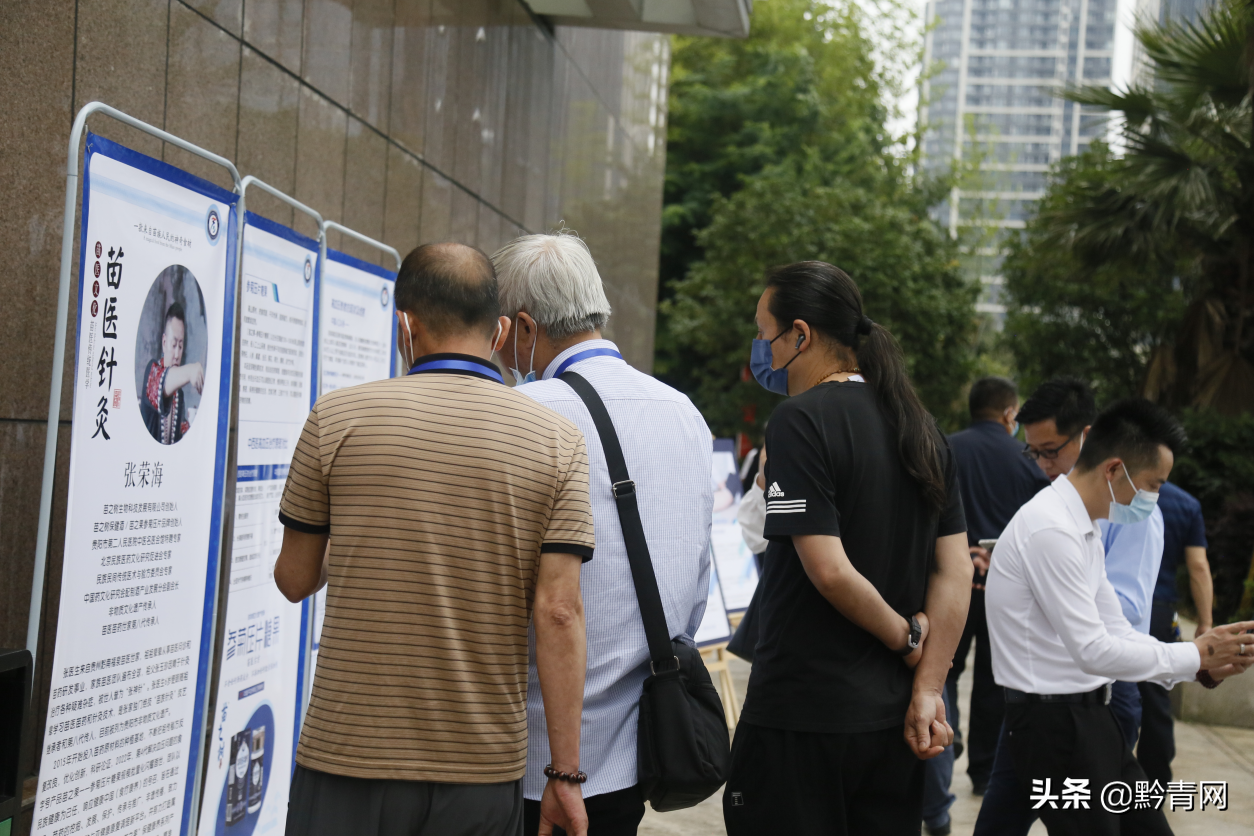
1059 638
550 287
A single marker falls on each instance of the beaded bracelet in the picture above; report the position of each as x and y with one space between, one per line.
572 777
1206 680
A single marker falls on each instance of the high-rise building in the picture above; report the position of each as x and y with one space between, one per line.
996 67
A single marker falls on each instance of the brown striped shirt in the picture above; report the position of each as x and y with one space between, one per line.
439 491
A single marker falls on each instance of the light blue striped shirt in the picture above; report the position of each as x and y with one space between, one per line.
667 446
1134 554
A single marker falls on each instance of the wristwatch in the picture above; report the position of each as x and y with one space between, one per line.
916 636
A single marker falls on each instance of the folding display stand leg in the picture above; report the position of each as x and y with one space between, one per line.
716 658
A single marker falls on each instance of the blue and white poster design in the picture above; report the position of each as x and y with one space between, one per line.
356 344
737 570
252 744
151 382
715 627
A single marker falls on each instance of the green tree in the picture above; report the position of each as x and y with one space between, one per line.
1183 191
778 152
803 81
904 264
1102 320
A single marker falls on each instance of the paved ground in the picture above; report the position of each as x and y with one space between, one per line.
1203 753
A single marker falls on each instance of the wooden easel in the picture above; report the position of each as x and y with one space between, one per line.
715 656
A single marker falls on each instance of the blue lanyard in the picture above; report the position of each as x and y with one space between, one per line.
584 355
459 365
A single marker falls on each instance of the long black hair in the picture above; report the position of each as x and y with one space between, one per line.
824 297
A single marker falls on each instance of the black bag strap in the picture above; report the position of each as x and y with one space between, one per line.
624 490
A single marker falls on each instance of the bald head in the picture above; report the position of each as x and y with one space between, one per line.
450 288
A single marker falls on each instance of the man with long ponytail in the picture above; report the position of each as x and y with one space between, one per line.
865 583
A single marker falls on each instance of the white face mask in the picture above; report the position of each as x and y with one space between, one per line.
407 347
1140 508
519 378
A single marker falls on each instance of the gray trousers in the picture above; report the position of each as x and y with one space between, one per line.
322 804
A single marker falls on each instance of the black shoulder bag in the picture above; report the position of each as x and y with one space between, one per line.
683 751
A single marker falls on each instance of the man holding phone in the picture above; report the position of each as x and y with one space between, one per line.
996 480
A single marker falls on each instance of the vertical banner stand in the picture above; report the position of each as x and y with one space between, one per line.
249 789
58 369
319 598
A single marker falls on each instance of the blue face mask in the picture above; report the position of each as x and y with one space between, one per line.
772 380
1140 509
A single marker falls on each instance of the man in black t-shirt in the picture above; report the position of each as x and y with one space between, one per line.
834 470
865 583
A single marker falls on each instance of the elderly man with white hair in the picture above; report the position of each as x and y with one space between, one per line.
550 288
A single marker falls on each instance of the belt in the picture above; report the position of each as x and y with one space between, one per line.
1098 696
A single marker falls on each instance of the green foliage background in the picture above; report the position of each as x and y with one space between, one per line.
778 152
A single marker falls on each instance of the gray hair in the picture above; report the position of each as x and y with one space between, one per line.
554 279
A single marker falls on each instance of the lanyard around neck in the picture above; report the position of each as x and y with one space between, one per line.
458 365
584 355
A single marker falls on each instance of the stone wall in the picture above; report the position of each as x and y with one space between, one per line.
409 120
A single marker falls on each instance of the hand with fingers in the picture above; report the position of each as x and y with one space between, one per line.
927 730
1228 644
561 805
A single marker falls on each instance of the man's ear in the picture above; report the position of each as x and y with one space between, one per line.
803 340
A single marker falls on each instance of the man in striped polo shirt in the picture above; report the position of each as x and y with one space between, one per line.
456 509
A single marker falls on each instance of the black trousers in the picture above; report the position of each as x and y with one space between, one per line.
321 804
615 813
812 784
1054 742
1157 748
988 705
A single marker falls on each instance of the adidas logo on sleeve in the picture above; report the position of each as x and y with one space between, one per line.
776 504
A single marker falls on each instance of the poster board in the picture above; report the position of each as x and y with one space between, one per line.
257 710
737 570
715 627
356 344
152 378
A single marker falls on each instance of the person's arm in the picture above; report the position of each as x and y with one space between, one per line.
828 568
1057 575
948 596
179 376
301 569
561 660
1201 585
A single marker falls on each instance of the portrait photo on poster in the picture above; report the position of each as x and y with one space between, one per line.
171 346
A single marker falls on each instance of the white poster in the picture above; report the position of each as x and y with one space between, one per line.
143 519
714 627
356 344
357 326
255 716
737 570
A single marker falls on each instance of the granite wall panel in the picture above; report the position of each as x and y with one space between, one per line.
365 189
202 93
411 120
269 122
275 28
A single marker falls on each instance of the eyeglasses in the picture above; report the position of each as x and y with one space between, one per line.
1049 454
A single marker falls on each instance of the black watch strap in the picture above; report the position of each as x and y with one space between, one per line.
916 635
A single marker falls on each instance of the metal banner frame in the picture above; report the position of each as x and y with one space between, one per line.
306 612
322 258
365 239
58 373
